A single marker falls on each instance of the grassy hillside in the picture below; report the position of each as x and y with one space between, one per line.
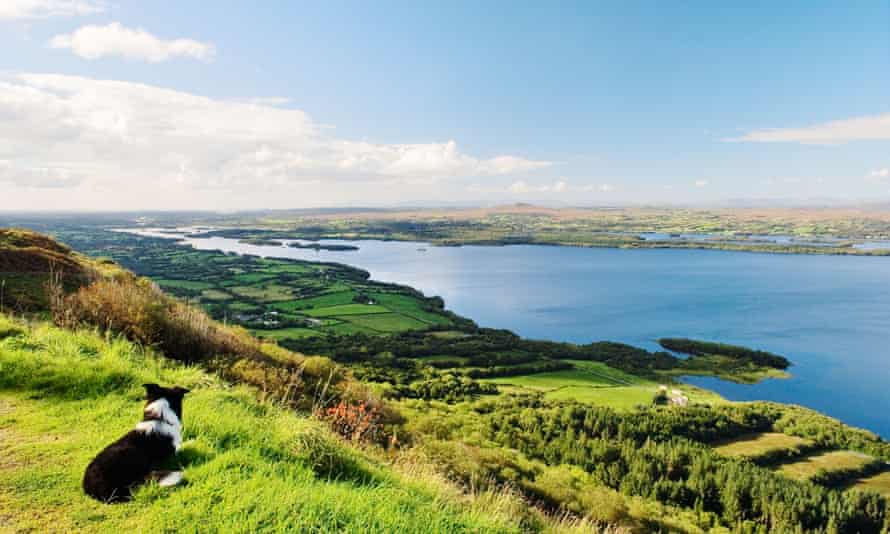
27 260
250 466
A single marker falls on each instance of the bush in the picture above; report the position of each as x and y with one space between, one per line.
140 311
355 422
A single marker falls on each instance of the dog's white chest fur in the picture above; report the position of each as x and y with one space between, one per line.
163 420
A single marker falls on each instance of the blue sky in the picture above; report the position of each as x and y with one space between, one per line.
287 104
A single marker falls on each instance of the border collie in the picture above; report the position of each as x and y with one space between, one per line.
129 461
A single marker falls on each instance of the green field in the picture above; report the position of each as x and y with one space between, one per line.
754 445
183 284
349 329
408 306
346 309
285 333
617 397
252 278
384 322
828 461
323 301
557 379
597 383
263 292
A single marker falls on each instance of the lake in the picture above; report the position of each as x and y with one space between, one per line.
829 314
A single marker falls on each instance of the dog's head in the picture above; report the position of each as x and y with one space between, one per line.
173 396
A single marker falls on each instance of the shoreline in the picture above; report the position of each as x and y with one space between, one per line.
678 374
622 242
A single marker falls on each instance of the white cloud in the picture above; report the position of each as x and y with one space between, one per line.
701 183
36 9
523 188
604 188
94 42
879 174
115 136
39 177
834 132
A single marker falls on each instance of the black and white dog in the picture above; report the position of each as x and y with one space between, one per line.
129 461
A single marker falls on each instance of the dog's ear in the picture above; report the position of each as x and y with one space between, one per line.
152 389
181 391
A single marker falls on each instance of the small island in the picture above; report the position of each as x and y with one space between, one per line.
320 246
260 242
729 362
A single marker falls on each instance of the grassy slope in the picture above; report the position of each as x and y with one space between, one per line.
879 483
828 461
250 467
754 445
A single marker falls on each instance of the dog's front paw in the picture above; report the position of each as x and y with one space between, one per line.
166 479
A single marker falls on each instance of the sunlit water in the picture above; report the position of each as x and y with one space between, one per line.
829 314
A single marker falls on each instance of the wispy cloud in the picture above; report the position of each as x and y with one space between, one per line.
701 183
60 130
560 186
878 175
833 132
37 9
94 42
604 188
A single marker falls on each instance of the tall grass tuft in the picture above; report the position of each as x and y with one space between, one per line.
140 311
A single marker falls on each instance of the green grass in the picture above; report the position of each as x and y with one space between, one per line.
263 292
597 383
183 284
349 329
556 379
410 306
601 371
619 397
252 278
9 328
249 467
285 333
290 268
754 445
586 374
828 461
323 301
879 483
385 322
346 309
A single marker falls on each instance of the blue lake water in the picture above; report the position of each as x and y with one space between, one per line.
829 314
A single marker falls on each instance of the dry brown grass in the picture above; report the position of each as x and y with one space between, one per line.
140 311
